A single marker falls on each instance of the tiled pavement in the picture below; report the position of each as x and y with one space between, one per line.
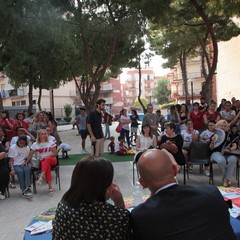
16 212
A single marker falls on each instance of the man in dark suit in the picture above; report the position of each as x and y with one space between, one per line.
175 212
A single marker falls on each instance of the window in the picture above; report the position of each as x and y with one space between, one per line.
13 104
105 95
23 102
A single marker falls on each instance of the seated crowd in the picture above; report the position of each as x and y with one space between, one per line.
27 141
218 127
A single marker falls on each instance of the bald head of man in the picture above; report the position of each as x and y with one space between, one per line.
156 169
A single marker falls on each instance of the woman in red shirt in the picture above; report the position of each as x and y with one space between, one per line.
9 124
212 114
197 117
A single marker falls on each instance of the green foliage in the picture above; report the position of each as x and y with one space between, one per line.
161 92
68 110
138 105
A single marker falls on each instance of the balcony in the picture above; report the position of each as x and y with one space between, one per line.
106 88
109 100
193 75
13 93
180 94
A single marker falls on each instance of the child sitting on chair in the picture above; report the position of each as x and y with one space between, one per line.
120 149
111 145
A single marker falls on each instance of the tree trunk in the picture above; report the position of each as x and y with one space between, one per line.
207 87
140 84
39 99
183 65
1 102
30 91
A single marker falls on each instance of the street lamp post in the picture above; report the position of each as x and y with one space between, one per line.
191 82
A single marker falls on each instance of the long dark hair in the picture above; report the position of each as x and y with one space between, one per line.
90 179
150 130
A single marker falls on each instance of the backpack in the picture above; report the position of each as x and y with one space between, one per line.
110 120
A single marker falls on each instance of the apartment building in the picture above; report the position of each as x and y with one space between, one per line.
195 81
132 85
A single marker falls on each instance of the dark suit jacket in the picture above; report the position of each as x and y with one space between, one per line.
183 213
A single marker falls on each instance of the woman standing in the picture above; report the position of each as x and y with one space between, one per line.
184 116
125 120
47 154
39 122
211 114
52 124
146 140
174 117
197 117
4 172
8 123
134 125
83 212
227 163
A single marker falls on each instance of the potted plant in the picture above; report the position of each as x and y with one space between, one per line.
68 112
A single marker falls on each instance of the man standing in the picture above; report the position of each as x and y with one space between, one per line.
151 119
94 126
81 121
175 211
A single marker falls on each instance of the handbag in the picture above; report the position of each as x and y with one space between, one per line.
119 128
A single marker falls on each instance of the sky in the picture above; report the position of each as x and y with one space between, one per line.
156 64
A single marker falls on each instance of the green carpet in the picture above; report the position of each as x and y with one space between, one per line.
74 158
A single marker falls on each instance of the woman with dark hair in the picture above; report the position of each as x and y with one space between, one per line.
3 139
52 124
18 154
184 116
21 122
146 140
8 123
4 172
174 117
134 125
197 117
173 143
83 212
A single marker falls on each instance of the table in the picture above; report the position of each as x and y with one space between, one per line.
235 222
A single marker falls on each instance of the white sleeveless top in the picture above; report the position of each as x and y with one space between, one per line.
146 142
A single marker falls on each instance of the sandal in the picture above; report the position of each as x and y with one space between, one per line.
39 181
50 192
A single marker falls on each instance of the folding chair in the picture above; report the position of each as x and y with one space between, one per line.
37 171
198 154
134 163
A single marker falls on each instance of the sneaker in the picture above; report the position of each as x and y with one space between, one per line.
2 197
27 193
206 173
84 151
